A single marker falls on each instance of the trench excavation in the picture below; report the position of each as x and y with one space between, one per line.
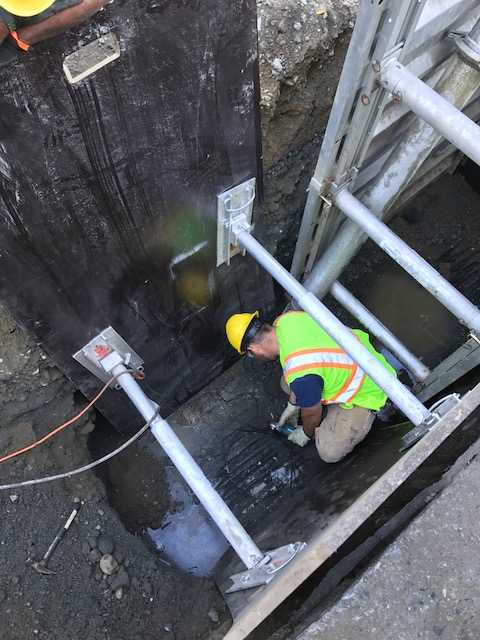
140 495
139 197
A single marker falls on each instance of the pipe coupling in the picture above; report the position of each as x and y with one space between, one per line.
468 50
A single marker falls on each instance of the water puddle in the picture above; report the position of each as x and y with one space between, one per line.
188 539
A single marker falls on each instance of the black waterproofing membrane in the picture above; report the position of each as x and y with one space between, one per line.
108 192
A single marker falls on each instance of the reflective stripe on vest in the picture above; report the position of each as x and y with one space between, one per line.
333 358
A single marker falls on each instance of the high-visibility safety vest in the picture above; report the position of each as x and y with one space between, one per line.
305 348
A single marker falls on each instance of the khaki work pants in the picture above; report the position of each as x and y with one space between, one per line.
341 430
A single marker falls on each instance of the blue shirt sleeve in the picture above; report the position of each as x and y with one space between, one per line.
308 390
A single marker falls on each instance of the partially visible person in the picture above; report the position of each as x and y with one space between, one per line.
24 23
336 400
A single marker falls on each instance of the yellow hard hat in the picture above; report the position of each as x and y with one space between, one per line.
236 328
25 8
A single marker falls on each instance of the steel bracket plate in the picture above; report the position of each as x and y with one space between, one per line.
104 344
233 206
264 572
437 412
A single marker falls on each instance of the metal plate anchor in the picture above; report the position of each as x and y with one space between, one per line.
437 411
265 570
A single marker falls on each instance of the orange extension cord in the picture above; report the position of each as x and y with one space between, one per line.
79 415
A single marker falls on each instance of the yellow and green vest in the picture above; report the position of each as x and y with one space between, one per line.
305 348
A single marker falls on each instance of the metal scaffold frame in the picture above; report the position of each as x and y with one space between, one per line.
358 157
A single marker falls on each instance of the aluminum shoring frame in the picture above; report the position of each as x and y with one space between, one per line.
466 312
460 80
400 395
359 104
107 353
428 105
416 367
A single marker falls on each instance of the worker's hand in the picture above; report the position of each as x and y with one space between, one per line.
299 437
290 414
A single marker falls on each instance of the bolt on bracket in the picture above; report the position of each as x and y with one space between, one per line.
436 412
234 214
106 346
265 570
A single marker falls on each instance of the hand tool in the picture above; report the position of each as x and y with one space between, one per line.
41 565
286 429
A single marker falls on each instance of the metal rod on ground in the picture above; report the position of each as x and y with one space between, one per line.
415 265
419 370
403 399
231 528
431 107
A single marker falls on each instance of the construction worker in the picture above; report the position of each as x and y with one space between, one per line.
336 400
27 22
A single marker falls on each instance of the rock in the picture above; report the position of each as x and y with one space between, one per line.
168 628
277 65
105 545
108 564
119 593
3 596
119 557
98 575
94 555
93 542
438 630
85 547
120 579
213 615
13 497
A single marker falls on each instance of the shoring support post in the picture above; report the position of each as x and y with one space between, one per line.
400 395
419 370
231 528
467 313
